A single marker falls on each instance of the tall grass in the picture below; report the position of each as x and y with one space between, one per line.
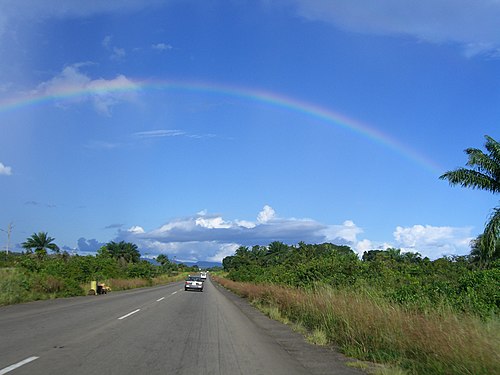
367 327
123 284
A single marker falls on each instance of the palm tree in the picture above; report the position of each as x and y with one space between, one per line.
40 242
480 255
162 259
484 174
126 251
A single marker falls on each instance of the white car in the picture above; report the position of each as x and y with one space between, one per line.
193 283
203 276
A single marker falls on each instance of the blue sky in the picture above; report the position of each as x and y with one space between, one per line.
193 127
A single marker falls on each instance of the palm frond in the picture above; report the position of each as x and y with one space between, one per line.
471 179
483 163
493 147
491 235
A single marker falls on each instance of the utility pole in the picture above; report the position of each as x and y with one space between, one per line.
8 231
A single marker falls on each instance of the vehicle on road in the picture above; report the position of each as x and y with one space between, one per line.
203 276
193 283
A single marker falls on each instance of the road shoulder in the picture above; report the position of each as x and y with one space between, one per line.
317 359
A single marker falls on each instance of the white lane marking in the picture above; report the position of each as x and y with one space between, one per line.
174 293
127 315
16 365
158 300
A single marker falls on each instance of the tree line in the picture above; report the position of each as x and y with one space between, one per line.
400 277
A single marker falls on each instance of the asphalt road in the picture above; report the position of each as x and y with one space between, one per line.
161 330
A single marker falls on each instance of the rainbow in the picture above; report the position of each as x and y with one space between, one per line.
125 85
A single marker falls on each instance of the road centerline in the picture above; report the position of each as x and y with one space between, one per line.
127 315
17 365
158 300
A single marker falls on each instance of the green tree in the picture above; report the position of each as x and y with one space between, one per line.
162 259
125 251
276 252
484 174
40 242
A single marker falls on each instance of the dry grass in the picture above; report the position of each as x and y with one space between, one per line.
164 279
371 329
123 284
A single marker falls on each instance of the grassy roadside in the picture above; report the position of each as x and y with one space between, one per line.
124 284
18 287
371 329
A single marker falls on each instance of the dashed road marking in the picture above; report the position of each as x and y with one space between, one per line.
127 315
158 300
16 365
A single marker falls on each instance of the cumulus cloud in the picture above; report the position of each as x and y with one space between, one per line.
209 237
136 229
4 170
77 87
432 241
347 232
266 214
473 24
205 236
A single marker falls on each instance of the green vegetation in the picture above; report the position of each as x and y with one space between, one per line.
389 307
38 275
434 318
484 174
406 279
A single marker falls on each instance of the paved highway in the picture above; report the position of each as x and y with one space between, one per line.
160 330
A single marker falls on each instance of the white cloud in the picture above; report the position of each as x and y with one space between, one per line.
348 231
472 24
212 222
208 237
364 245
136 229
433 242
73 86
7 171
161 46
224 250
266 214
245 223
